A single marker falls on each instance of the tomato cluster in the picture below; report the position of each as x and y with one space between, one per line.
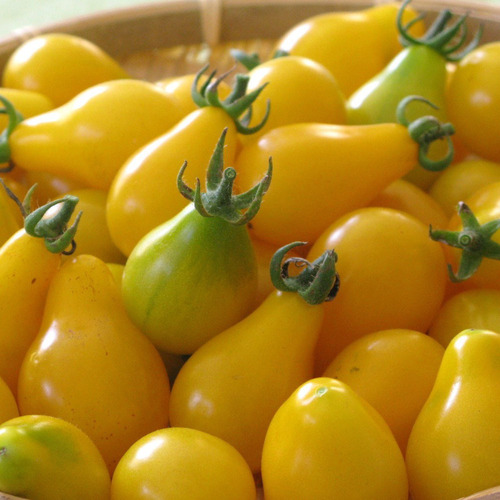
284 280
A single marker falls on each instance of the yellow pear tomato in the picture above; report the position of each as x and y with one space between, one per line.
48 458
327 442
182 464
298 90
408 197
59 66
453 447
459 181
393 370
89 364
392 276
354 46
476 308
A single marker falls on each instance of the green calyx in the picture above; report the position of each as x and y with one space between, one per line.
424 131
236 104
318 281
54 229
448 39
219 200
14 118
251 61
474 240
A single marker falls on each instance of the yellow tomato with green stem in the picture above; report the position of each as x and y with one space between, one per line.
392 276
195 275
144 193
299 89
420 68
49 458
322 171
246 372
29 260
59 66
471 241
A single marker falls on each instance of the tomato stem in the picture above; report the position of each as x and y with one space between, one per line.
442 37
317 283
424 131
251 61
236 104
474 240
14 118
219 200
52 229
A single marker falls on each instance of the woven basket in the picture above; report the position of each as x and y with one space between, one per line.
157 40
162 39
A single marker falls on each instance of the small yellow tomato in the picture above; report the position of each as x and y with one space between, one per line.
473 99
459 181
298 90
327 442
48 458
406 196
393 370
59 66
476 308
392 275
26 270
182 464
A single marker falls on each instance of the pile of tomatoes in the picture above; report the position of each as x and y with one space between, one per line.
281 281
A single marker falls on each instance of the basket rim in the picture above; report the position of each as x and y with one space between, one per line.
210 12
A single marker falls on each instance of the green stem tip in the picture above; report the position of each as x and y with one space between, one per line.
445 35
236 104
426 130
318 281
54 228
252 60
474 240
219 200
